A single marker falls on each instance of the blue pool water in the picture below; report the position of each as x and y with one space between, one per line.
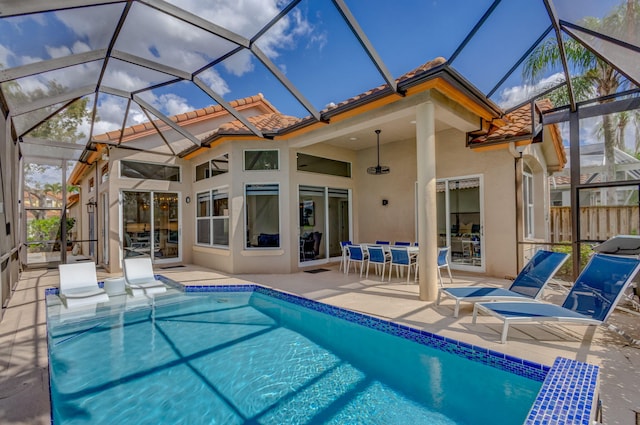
240 358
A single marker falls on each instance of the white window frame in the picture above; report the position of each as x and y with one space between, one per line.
246 229
211 218
528 204
151 163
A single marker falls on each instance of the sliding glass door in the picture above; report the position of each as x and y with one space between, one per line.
150 225
460 221
323 222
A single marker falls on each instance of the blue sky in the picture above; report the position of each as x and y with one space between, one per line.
312 47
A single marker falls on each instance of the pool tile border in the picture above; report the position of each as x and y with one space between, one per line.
569 391
569 388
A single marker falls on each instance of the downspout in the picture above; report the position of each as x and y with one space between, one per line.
516 152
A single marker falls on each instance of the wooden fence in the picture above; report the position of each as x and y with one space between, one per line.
596 223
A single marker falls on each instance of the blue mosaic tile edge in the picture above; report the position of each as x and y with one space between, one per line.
568 395
491 358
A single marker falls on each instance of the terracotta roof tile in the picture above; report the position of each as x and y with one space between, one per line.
518 124
267 123
422 68
181 118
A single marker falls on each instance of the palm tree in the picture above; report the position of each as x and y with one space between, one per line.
596 77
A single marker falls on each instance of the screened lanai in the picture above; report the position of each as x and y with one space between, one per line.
73 71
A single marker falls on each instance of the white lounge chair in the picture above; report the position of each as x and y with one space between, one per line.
79 285
139 277
590 301
527 286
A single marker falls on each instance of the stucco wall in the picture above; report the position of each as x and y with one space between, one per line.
396 221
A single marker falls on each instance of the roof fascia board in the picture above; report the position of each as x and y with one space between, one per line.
50 65
366 44
17 8
149 64
52 100
285 81
220 100
166 120
197 21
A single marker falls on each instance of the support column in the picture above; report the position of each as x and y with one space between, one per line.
427 218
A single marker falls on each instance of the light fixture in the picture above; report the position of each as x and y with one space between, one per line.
378 169
91 205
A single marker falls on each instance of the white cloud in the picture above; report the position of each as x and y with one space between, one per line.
215 81
511 96
174 104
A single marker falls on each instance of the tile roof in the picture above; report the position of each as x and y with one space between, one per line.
274 122
369 93
186 118
518 125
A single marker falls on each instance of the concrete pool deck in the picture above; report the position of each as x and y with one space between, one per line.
24 391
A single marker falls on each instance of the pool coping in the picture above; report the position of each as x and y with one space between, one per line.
569 392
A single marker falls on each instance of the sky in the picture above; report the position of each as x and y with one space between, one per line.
311 46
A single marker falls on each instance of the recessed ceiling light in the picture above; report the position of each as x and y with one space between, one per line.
413 122
353 138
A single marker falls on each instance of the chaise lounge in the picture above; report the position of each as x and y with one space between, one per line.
79 285
590 301
528 284
139 277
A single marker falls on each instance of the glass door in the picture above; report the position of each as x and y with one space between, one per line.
460 221
165 226
312 223
150 225
324 222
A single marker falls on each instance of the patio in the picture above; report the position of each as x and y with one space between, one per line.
24 392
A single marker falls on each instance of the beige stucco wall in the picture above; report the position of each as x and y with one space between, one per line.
396 221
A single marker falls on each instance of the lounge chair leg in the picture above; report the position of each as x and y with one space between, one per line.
505 330
457 310
475 313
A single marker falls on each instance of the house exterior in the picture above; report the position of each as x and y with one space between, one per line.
239 203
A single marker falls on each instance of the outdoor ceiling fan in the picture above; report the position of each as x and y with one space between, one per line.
378 169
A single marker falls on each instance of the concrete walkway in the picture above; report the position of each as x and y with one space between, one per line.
24 391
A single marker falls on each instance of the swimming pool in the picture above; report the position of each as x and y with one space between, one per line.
255 356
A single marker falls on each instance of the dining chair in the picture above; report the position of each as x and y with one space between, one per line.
382 243
345 255
443 262
400 257
356 255
402 243
377 256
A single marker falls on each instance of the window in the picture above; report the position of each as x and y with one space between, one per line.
528 204
261 160
316 164
218 165
104 173
262 215
212 218
141 170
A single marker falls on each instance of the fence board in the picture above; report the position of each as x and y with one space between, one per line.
596 223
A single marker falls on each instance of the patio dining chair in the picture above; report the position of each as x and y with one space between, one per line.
383 242
377 256
443 263
356 255
401 243
401 258
345 255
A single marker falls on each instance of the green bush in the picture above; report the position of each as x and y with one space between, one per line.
566 271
